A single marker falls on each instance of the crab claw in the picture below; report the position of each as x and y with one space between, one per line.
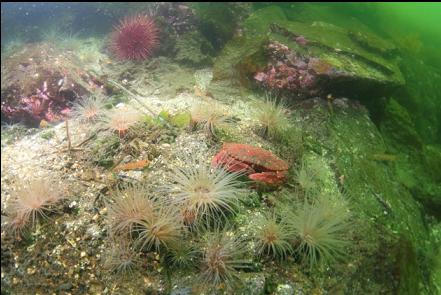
218 159
232 165
270 178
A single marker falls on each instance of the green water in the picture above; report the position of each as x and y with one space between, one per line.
418 19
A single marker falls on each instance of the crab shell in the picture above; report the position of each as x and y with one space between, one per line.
260 165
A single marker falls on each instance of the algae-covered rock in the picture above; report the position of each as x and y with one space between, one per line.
259 21
161 75
432 160
361 61
426 176
407 122
398 126
253 283
436 231
394 236
421 97
218 21
418 172
244 55
239 60
372 42
193 49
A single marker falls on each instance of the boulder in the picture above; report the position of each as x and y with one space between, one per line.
360 62
40 82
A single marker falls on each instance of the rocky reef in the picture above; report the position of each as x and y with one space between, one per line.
278 153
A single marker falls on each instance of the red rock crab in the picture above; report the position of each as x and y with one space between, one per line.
259 164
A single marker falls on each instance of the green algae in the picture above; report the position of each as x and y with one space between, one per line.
181 120
194 50
218 21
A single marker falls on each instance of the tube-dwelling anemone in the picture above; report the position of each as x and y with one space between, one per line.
272 115
311 175
89 109
135 213
120 120
181 255
320 236
162 228
135 38
222 257
210 117
205 191
129 206
273 236
32 200
121 258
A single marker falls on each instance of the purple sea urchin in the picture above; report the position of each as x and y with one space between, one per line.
135 38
